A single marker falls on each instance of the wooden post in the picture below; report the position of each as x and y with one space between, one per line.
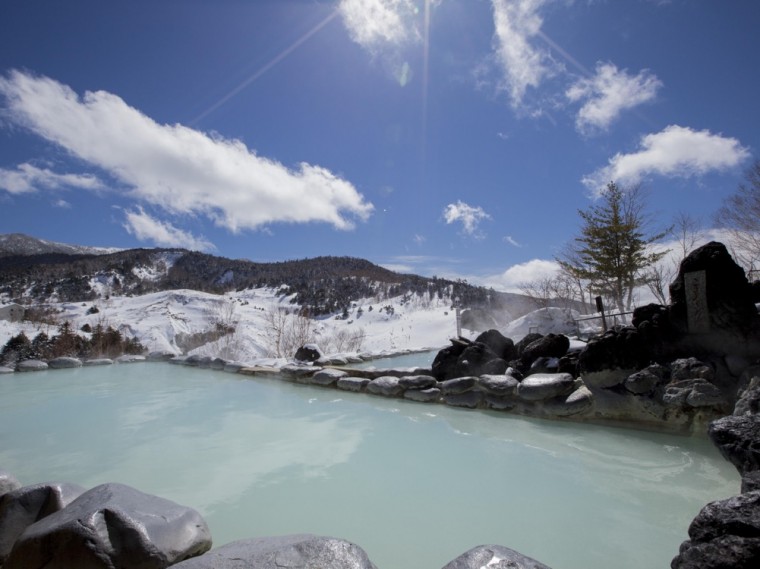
600 308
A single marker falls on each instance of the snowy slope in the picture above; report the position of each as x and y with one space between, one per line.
183 321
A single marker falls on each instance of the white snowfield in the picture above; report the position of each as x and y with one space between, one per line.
184 321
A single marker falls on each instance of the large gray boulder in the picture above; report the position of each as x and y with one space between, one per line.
724 535
386 385
22 507
504 385
31 365
352 383
646 381
289 551
458 385
417 381
494 557
429 395
738 440
578 402
541 386
112 526
693 393
328 376
749 400
64 362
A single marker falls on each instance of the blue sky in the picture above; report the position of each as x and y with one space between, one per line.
455 138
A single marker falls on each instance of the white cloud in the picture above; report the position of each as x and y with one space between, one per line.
176 168
63 204
517 24
608 93
163 234
27 178
511 240
516 275
676 151
379 23
419 239
469 216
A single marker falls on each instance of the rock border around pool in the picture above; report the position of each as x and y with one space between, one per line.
725 534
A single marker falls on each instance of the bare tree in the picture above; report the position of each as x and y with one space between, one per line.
687 233
287 332
740 216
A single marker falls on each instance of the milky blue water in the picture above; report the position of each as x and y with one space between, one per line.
415 485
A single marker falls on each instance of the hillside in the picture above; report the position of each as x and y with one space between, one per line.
318 286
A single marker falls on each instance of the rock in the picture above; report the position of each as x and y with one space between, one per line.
386 385
160 356
729 296
543 386
526 341
205 362
617 349
494 557
604 379
457 385
469 399
233 367
180 360
504 385
692 393
289 551
500 402
499 344
578 402
218 364
296 371
352 383
129 359
98 362
327 377
417 381
429 395
31 365
690 368
549 346
751 481
4 369
749 401
64 362
738 440
109 526
544 364
725 534
445 363
645 381
308 353
479 359
22 507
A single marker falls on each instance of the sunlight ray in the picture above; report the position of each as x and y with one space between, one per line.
277 59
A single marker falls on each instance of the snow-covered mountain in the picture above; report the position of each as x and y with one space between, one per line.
20 244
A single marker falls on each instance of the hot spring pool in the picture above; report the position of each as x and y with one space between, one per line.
415 485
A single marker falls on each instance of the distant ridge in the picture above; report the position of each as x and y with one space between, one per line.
21 244
35 270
